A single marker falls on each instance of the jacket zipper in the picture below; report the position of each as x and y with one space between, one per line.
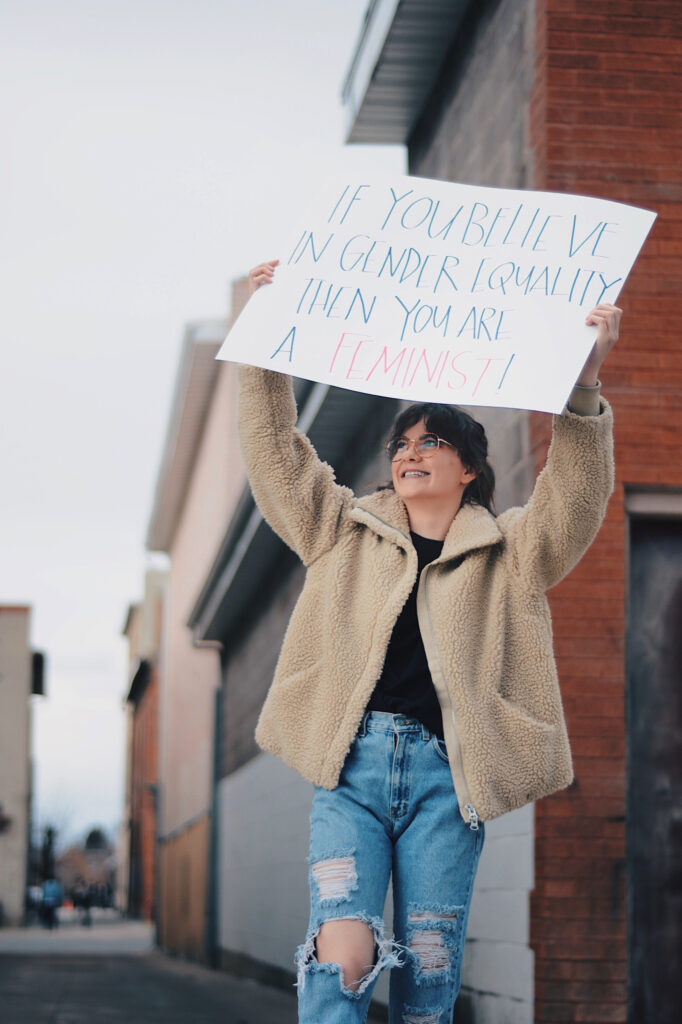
452 741
473 817
454 747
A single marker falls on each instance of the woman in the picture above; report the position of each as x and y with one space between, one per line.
416 686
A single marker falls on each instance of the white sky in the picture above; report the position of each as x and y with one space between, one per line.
152 152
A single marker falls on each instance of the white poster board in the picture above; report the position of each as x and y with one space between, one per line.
431 291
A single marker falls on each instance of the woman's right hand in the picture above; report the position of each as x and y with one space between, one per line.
262 274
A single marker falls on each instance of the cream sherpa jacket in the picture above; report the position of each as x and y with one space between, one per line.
481 605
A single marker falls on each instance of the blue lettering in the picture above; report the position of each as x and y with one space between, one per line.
408 313
572 247
416 202
475 223
359 298
292 335
343 253
396 200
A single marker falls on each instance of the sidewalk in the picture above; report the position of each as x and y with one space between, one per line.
110 973
108 935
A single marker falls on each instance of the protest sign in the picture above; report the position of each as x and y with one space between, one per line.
431 291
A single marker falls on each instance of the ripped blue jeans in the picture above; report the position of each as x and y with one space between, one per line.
394 810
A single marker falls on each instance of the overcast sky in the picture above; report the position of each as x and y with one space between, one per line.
153 150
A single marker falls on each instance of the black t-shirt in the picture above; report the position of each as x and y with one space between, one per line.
405 686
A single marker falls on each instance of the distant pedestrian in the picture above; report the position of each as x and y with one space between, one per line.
416 686
82 901
52 899
86 903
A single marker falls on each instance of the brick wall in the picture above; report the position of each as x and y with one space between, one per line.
605 120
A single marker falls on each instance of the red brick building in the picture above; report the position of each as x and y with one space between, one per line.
581 96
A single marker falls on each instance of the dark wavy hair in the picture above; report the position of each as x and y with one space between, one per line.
467 437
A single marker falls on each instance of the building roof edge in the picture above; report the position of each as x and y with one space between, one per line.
196 377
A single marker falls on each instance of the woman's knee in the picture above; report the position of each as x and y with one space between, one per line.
351 944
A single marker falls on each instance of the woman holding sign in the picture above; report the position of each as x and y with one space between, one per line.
416 686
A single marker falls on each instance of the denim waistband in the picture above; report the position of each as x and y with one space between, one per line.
384 721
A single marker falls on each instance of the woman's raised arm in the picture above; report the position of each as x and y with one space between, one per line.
294 489
568 503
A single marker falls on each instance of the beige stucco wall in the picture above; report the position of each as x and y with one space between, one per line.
190 676
15 723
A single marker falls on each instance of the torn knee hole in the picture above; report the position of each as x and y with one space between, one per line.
335 877
428 915
353 978
428 945
431 951
421 1016
350 942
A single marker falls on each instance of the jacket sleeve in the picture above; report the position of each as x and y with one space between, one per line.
294 489
565 511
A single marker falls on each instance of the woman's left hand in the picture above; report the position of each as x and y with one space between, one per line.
607 319
262 274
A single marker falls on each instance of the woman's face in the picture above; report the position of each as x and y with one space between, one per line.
441 476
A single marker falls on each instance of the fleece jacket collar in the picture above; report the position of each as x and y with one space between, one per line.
384 512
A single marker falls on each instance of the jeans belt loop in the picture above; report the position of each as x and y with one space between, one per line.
426 735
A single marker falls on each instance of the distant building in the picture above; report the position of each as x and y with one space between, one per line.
21 676
90 864
143 629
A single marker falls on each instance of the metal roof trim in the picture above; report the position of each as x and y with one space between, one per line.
370 45
397 60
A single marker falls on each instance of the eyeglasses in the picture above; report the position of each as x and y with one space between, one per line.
426 446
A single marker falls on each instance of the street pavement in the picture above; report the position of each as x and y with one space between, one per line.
110 973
